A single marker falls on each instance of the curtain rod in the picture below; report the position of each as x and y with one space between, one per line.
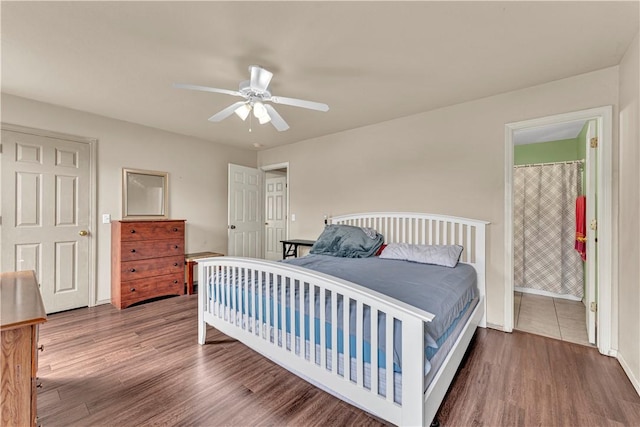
552 163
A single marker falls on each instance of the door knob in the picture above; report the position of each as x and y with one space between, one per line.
83 232
233 227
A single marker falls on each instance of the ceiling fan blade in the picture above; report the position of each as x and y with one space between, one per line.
299 103
260 78
226 112
206 89
276 119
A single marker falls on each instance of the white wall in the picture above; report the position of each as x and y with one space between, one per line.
629 249
449 161
197 172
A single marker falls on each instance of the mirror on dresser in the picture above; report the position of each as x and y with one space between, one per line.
145 194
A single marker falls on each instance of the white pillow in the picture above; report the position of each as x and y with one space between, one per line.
445 255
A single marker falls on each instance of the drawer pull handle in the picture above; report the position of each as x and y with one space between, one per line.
176 247
175 264
175 229
38 385
133 231
133 270
175 281
133 250
41 347
133 289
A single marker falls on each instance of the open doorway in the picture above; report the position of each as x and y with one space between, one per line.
549 191
590 169
276 209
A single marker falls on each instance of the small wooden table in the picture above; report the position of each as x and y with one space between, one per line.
191 261
290 247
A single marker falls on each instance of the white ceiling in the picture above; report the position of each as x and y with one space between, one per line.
370 61
555 132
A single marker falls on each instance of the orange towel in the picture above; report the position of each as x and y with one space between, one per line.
581 227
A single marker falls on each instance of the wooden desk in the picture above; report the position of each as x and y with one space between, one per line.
290 247
191 261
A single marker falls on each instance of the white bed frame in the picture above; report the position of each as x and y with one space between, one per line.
418 407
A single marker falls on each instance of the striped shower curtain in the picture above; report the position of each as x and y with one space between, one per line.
544 228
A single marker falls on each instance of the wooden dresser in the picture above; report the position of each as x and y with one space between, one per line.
21 312
147 260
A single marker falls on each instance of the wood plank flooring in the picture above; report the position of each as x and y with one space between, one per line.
143 366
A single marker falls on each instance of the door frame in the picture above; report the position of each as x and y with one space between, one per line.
604 208
265 169
93 153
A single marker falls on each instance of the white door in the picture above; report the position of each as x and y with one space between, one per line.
45 215
591 171
245 219
275 216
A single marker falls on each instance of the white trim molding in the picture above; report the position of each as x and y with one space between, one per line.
606 244
625 367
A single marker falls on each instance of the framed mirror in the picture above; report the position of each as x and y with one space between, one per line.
145 194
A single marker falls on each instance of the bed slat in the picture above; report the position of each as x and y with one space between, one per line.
389 356
346 327
359 345
374 351
303 332
334 332
323 329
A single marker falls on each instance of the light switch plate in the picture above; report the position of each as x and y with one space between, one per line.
106 218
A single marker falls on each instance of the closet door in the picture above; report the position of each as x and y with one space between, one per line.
45 215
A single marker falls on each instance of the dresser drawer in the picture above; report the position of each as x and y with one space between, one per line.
142 289
145 249
132 270
151 230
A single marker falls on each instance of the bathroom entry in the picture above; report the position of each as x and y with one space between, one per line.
550 176
598 178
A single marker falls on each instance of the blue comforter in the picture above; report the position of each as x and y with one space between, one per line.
442 291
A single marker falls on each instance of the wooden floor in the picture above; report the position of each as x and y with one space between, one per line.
143 366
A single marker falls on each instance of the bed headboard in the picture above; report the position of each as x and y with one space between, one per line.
429 229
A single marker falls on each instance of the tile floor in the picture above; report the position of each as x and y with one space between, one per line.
552 317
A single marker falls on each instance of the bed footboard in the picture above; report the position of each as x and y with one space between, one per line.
337 334
286 313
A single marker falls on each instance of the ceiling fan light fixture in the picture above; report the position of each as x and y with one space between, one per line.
259 110
264 119
261 113
243 111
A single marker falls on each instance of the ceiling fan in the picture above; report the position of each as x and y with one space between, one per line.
256 94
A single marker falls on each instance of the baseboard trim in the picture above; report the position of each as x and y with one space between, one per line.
630 375
496 327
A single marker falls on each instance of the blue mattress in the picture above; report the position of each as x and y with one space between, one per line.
445 292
